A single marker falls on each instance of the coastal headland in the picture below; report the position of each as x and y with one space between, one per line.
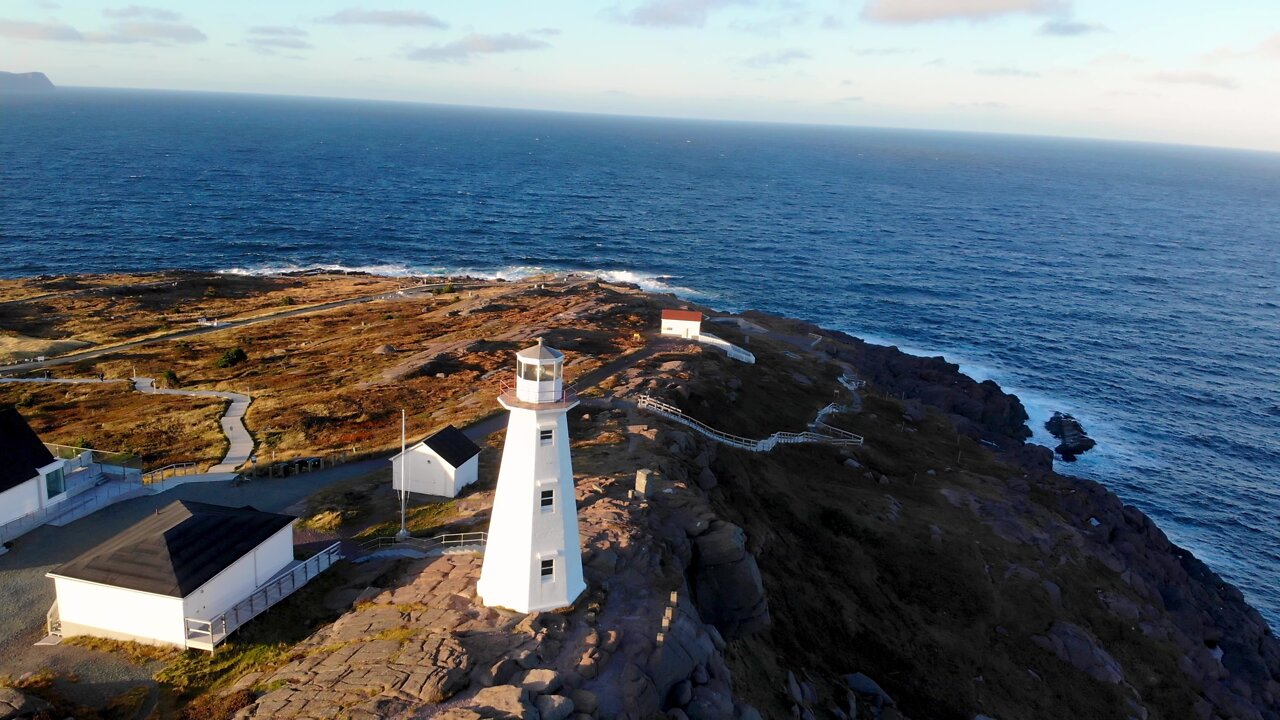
942 569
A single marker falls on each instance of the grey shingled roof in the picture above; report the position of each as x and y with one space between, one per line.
540 352
21 452
452 446
176 550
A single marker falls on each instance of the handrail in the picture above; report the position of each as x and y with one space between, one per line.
843 437
173 470
216 629
568 392
428 544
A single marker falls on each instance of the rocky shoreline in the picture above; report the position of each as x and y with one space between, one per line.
941 570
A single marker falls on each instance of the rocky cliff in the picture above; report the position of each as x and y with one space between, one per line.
12 83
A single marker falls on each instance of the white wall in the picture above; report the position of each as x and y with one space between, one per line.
683 328
429 474
242 577
20 500
88 608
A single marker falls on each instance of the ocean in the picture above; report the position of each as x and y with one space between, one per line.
1134 286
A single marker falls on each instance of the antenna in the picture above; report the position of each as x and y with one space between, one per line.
404 489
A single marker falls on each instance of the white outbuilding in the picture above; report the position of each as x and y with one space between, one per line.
174 577
31 478
681 323
442 464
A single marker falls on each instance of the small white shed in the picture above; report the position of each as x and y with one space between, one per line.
189 562
31 478
681 323
442 464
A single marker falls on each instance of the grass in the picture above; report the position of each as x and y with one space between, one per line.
43 684
418 520
135 652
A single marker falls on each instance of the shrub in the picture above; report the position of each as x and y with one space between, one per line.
231 358
288 300
171 378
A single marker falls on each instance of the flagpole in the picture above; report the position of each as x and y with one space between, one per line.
404 489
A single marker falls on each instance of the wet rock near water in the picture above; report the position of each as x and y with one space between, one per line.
1071 433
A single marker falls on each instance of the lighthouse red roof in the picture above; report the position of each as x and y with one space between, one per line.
687 315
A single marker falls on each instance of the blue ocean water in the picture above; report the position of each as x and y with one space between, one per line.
1135 286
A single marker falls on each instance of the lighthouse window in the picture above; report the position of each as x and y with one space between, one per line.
548 569
548 500
546 436
528 371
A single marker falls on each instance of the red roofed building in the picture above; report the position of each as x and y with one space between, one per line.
682 323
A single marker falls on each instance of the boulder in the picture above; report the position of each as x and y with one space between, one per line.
865 686
1080 649
16 704
727 583
503 701
554 707
585 701
541 681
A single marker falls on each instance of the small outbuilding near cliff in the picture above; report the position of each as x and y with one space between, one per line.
441 465
681 323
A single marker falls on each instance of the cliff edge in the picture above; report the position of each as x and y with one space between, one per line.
31 82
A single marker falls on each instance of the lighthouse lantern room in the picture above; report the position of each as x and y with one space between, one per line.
533 558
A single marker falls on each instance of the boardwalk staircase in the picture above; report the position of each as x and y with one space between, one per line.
820 433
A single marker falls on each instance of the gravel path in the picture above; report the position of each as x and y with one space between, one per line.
240 442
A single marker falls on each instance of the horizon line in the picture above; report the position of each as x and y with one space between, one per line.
695 118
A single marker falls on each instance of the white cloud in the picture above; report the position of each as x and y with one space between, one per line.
141 11
476 44
1268 49
1005 71
122 33
921 11
1193 77
774 59
673 13
1071 28
388 18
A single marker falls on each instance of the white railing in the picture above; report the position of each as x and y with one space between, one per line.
85 495
471 539
658 407
568 393
168 471
729 348
208 634
53 621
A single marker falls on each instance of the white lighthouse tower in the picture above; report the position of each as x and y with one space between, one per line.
533 560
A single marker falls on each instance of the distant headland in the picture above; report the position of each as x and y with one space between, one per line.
24 82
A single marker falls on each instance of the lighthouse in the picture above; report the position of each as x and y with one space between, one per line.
533 560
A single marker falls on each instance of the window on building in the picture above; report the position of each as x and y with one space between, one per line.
548 569
548 501
55 483
528 371
546 436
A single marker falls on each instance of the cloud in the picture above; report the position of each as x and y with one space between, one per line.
278 31
922 11
988 105
1006 71
476 44
1193 77
831 22
775 59
882 51
267 39
389 18
1269 48
1071 28
122 33
546 32
673 13
1111 59
140 11
23 30
47 4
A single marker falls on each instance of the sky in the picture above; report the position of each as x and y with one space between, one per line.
1176 71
